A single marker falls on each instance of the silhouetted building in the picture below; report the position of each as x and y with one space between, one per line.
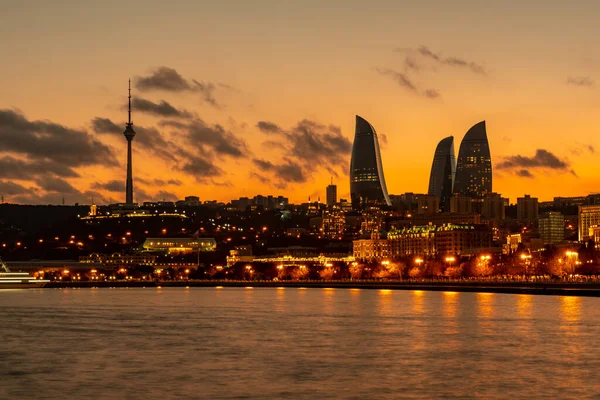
129 135
440 219
474 167
367 183
331 195
493 207
443 169
428 204
552 228
527 208
461 204
589 216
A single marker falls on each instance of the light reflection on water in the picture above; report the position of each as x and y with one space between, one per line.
296 343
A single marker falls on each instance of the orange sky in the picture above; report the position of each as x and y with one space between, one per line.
529 70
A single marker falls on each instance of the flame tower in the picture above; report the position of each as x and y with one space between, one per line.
367 183
129 135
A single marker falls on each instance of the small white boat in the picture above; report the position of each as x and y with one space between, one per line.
18 280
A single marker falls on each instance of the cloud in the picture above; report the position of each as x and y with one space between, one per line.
161 109
196 149
437 58
8 188
524 173
582 81
55 184
169 80
542 159
148 138
46 141
400 78
14 168
405 82
289 171
111 186
308 146
268 127
217 138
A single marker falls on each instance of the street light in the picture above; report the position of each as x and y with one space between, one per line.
418 261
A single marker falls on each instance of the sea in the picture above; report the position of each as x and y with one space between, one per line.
296 343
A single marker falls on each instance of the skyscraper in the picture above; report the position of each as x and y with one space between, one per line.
129 135
443 169
367 183
331 195
474 167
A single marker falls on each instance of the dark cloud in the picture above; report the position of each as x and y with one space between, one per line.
51 142
524 173
220 140
268 127
289 171
583 81
160 182
308 146
14 168
161 109
405 82
399 77
451 61
164 195
431 93
542 159
111 186
8 188
54 184
169 80
105 125
261 178
200 168
148 138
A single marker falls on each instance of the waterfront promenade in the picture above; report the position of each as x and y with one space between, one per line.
591 289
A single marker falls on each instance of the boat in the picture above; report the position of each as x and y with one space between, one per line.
18 280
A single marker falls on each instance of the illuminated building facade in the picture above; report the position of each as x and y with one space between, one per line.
179 245
443 170
462 239
416 240
552 228
589 216
331 195
367 183
372 249
429 240
333 223
119 259
474 167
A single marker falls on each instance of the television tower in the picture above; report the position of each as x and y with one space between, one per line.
129 135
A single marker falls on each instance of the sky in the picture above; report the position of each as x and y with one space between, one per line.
239 98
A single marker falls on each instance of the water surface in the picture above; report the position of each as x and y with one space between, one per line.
235 343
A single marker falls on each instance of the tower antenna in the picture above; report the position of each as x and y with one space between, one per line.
129 111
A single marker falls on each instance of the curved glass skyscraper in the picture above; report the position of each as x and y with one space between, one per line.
474 166
443 168
367 183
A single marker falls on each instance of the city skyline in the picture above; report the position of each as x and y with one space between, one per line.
223 118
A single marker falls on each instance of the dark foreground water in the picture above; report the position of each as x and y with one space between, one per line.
296 344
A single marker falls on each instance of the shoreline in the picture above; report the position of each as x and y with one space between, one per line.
548 289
